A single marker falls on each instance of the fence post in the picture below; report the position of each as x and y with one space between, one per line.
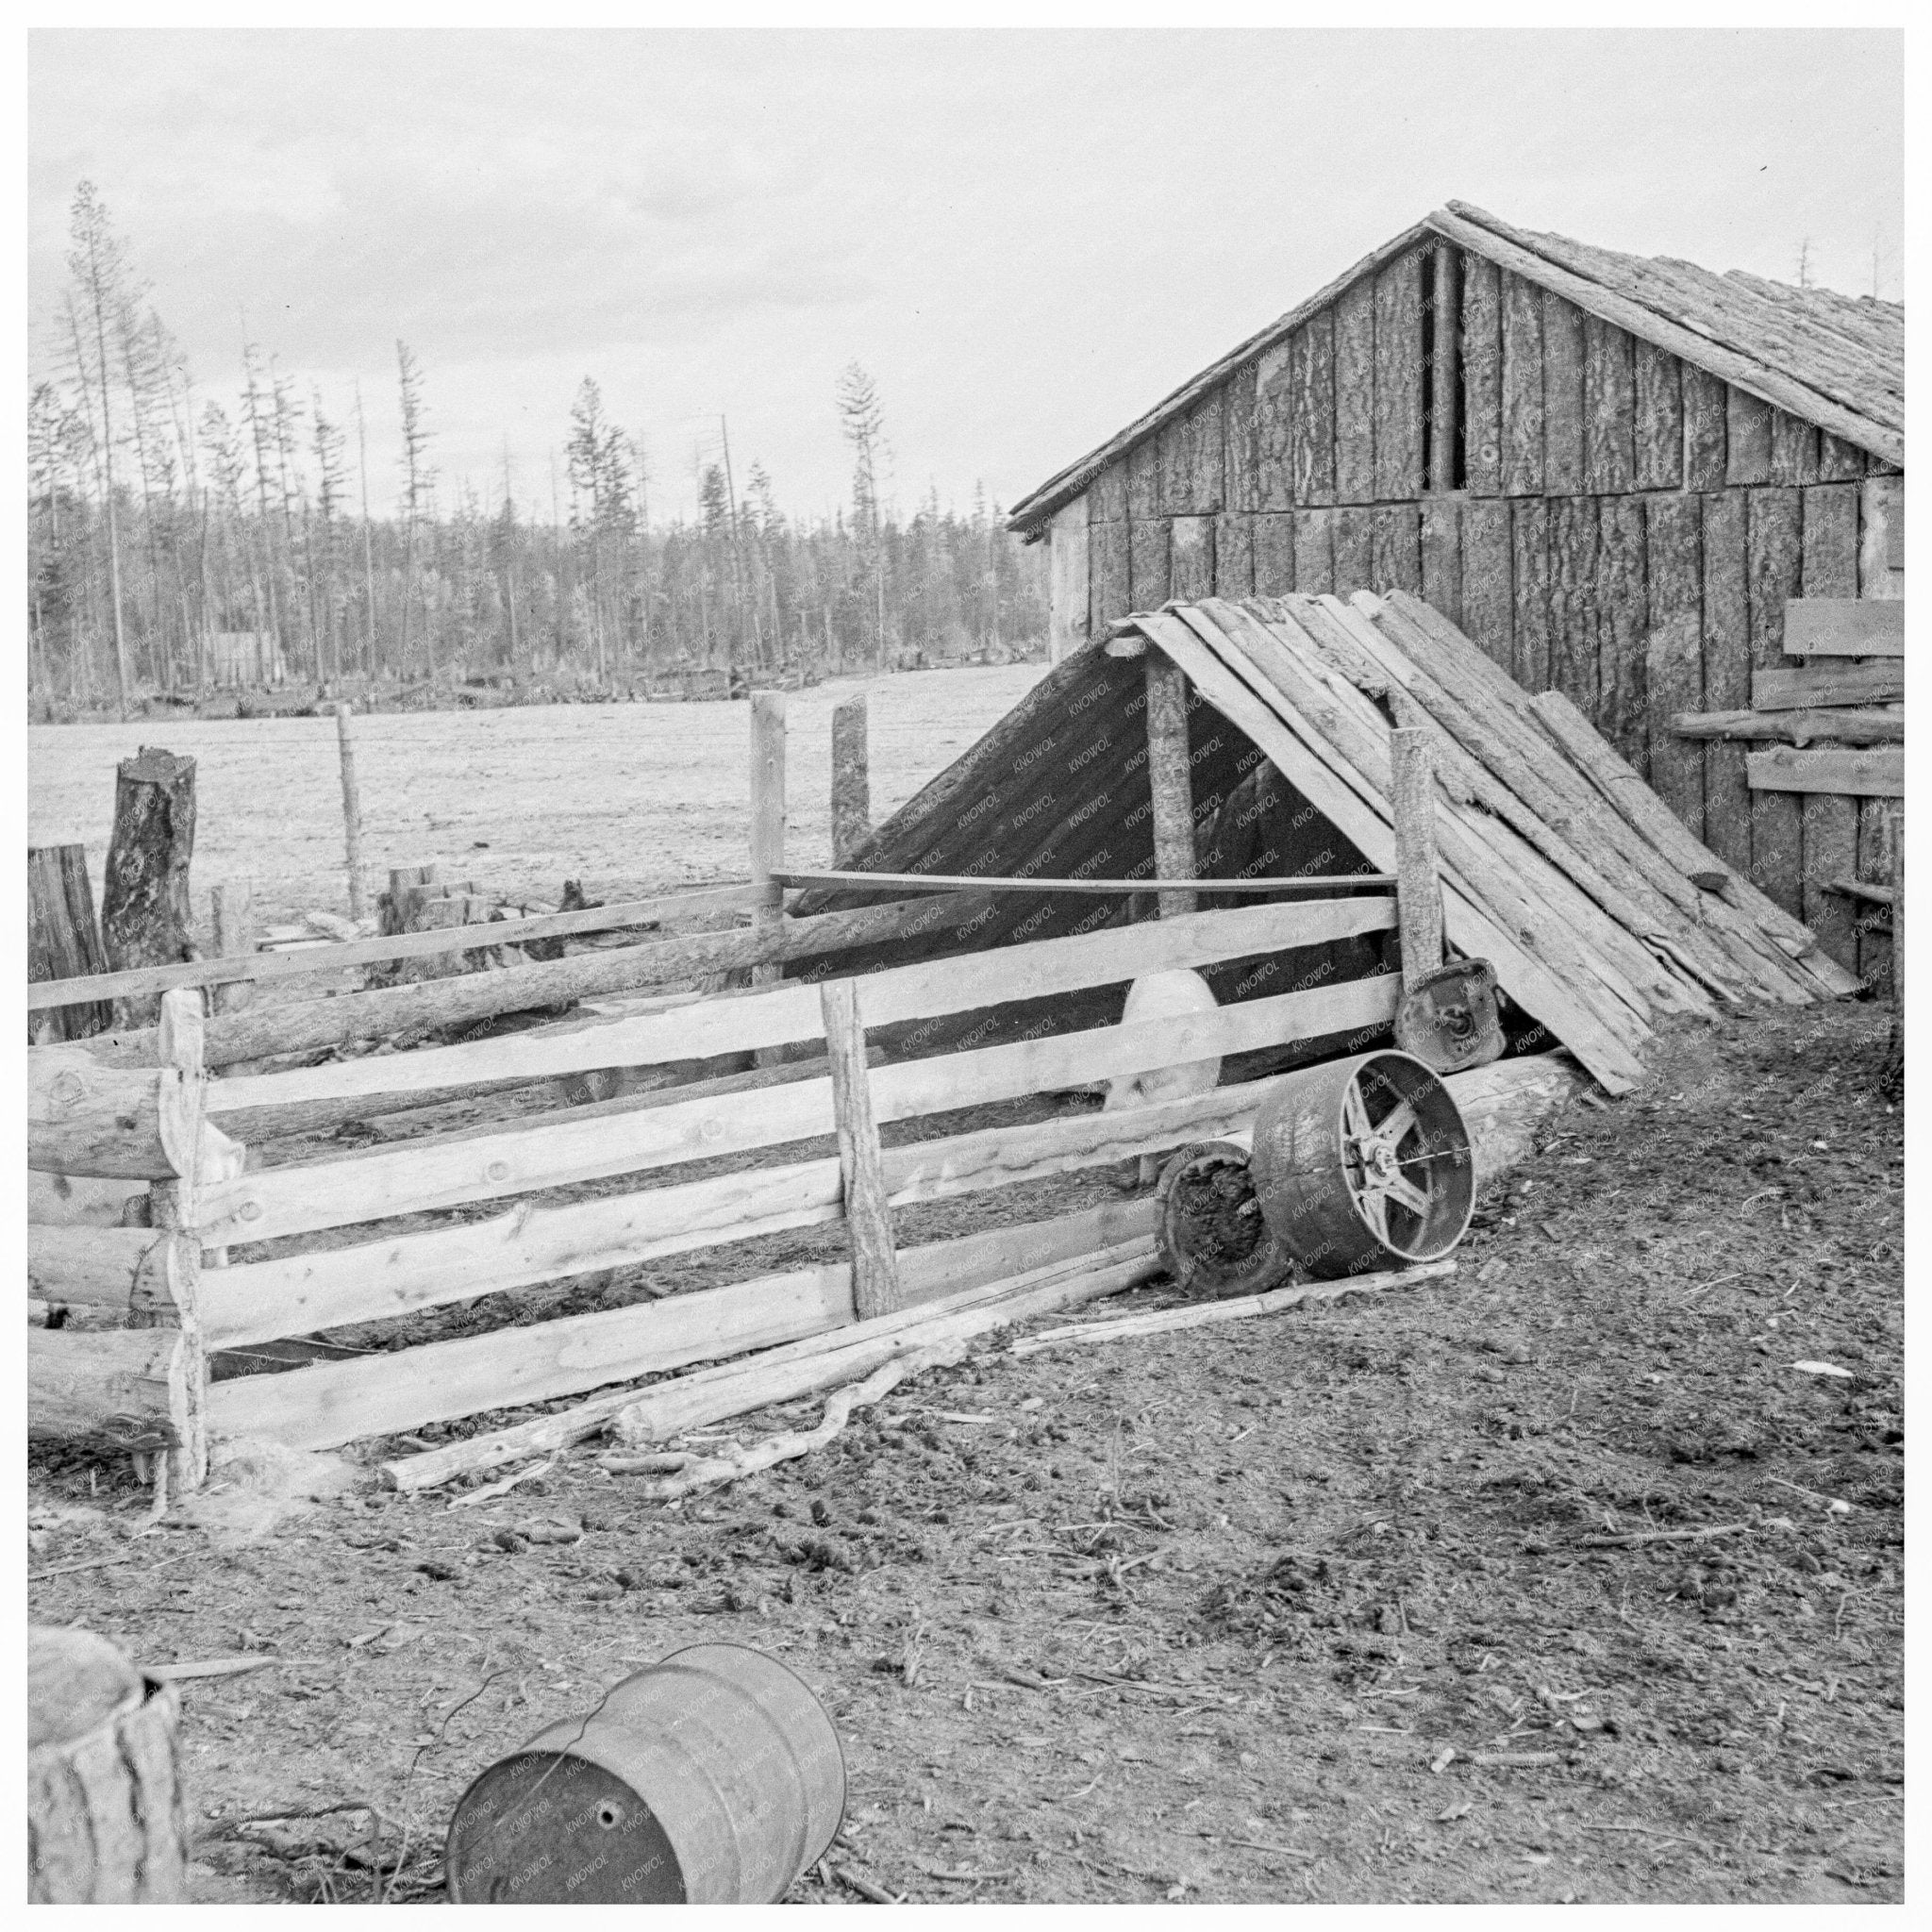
869 1219
234 919
767 817
352 811
851 781
1418 891
1171 781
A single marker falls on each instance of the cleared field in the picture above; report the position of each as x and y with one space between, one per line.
625 797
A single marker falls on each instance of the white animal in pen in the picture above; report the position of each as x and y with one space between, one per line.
1167 995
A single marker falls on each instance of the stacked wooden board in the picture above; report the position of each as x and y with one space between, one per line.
1599 910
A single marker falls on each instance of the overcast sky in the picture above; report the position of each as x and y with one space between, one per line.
1026 237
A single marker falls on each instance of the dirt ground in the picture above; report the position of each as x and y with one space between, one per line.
1202 1617
627 798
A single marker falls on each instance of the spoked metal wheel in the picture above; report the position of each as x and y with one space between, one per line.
1214 1236
1363 1162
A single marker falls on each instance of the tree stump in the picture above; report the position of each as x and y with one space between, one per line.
63 942
107 1822
145 916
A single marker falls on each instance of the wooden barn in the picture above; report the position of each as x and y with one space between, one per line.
1613 473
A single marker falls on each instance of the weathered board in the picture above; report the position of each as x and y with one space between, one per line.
1234 554
1355 395
1563 417
1522 387
1793 449
1673 653
1107 593
1070 606
1747 439
1726 675
1190 566
1775 557
1272 567
1855 774
1399 378
1881 537
1844 628
1312 380
1488 588
1705 423
1609 408
1239 410
1397 563
1659 427
1622 702
1573 600
1144 481
1441 557
1355 550
1831 852
1482 378
1314 551
1529 545
1149 548
1808 686
1274 433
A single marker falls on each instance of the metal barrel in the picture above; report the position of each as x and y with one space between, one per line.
715 1778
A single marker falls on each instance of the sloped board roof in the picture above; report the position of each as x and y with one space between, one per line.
1559 866
1826 358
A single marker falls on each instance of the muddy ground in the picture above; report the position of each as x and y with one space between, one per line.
1202 1617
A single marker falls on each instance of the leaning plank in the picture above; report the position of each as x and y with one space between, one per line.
118 1388
411 945
784 1015
1844 628
1794 727
868 1218
1853 774
333 1402
275 1201
1800 686
120 1270
1306 885
297 1294
84 1118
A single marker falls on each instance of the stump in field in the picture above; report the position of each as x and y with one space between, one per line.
107 1823
145 917
63 940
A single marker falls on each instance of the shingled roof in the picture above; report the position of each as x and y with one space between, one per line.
1832 359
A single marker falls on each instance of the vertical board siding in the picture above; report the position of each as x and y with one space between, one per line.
1354 394
1399 378
1314 551
1727 675
1144 481
1706 411
1659 419
1881 517
1234 554
1148 550
1623 703
1192 479
1107 590
1793 449
1774 539
1441 557
1610 408
1274 428
1831 540
1529 567
1573 600
1874 865
1522 387
1673 649
1237 440
1312 380
1191 564
1482 376
1487 584
1070 604
1838 463
1274 562
1562 396
1747 439
1396 563
1109 494
1830 824
1354 551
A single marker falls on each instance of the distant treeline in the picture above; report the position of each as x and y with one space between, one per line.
176 542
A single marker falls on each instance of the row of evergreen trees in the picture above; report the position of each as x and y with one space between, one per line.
161 523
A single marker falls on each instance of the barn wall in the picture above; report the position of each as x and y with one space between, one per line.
1624 526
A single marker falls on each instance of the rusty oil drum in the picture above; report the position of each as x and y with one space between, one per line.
1363 1163
715 1778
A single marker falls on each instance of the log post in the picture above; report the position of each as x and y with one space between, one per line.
107 1822
352 812
145 916
63 940
1894 1077
874 1258
851 781
1171 782
233 903
767 815
1418 890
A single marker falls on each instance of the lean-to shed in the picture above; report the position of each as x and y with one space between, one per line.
1613 473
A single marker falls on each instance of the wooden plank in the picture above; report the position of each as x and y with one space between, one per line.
1190 569
1803 687
1070 582
1274 487
1673 649
1314 551
1398 407
1610 408
1148 547
1795 728
1844 628
1793 449
1441 556
1442 368
1109 494
1873 966
1575 525
1774 557
1488 585
1660 424
1190 460
1144 481
1170 784
1706 419
1747 439
1274 565
1106 564
1418 891
1353 538
1839 462
1397 559
1831 541
1240 446
1853 774
1234 554
1311 385
1564 402
1354 394
1522 387
1622 625
1881 537
1529 552
1831 852
1727 674
559 1151
1482 376
108 1123
868 1218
